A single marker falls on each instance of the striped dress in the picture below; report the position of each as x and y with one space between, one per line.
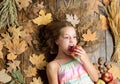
73 72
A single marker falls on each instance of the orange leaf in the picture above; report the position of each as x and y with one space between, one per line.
89 36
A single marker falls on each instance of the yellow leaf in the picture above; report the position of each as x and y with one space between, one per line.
115 70
23 4
16 46
89 36
11 56
38 61
14 65
4 77
36 81
104 23
43 18
31 71
1 47
17 31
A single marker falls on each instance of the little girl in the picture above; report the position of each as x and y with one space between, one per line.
65 66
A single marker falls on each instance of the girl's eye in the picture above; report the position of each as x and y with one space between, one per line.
66 37
74 37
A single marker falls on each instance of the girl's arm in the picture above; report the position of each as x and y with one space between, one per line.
52 73
93 73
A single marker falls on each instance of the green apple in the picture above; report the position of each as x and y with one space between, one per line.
100 81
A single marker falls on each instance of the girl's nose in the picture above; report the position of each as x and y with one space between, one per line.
71 40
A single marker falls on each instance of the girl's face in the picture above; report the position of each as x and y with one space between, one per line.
67 38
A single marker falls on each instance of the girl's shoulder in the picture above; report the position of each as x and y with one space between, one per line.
52 65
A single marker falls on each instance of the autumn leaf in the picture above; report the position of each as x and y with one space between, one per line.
17 31
89 36
4 77
104 23
73 19
38 61
115 70
14 65
16 46
6 36
32 71
1 47
43 18
11 56
93 6
41 5
23 4
36 81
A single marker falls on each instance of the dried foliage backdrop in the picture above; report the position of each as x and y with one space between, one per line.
21 60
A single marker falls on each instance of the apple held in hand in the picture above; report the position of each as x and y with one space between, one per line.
107 77
100 81
71 48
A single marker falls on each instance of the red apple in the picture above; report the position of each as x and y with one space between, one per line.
107 77
100 81
71 48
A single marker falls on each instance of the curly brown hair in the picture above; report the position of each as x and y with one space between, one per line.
48 34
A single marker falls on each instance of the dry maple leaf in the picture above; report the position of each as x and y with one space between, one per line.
32 71
6 36
23 4
43 18
14 65
17 31
73 19
115 70
1 47
37 81
16 46
11 56
38 61
104 23
4 77
93 6
89 36
41 5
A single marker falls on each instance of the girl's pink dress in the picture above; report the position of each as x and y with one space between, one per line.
73 72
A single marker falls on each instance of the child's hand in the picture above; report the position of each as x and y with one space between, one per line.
79 52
